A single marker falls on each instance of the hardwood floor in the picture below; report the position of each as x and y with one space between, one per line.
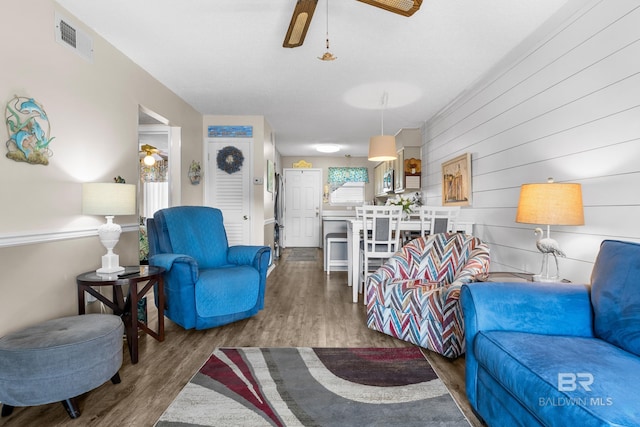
303 308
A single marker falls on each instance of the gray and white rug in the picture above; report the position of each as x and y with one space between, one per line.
314 387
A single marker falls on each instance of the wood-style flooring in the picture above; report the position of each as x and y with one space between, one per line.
303 308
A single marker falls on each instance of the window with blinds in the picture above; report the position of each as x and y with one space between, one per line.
348 194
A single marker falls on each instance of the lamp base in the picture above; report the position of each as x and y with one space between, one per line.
543 278
110 264
547 274
109 234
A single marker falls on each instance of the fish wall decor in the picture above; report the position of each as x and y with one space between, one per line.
28 128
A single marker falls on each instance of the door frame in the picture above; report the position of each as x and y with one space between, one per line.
318 243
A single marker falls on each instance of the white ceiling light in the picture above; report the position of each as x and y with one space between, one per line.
327 148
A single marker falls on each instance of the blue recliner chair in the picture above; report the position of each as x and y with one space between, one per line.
207 283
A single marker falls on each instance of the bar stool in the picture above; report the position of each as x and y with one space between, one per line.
334 238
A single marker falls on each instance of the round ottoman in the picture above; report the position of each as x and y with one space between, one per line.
57 360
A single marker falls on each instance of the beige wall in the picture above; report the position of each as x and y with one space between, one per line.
93 111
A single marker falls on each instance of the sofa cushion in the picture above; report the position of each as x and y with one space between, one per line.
587 378
615 282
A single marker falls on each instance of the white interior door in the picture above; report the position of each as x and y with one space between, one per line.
302 201
231 192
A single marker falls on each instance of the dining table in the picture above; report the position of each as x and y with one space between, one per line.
355 227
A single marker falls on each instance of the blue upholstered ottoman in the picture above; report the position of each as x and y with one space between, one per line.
57 360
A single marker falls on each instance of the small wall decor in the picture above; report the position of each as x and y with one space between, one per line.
28 129
412 166
302 164
230 159
195 172
456 181
230 131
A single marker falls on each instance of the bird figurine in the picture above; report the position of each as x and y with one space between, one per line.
547 245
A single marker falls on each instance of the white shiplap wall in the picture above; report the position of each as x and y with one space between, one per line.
567 107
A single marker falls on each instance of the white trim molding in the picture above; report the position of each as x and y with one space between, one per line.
9 240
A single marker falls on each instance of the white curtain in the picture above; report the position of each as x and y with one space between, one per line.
155 196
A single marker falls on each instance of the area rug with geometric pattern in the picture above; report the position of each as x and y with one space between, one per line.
251 386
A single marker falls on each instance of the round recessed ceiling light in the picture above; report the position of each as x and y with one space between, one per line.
327 148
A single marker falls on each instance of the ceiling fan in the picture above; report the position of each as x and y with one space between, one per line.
303 12
148 151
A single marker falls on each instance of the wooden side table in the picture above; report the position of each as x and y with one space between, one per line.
126 307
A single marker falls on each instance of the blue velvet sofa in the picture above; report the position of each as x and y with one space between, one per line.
557 354
207 283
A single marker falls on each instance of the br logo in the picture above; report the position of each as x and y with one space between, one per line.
569 381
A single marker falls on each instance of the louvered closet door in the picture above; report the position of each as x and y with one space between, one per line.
231 192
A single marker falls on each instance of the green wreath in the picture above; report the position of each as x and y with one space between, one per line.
230 159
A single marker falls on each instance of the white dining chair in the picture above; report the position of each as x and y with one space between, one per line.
380 238
438 219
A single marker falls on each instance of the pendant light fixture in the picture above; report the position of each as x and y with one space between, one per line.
327 56
382 147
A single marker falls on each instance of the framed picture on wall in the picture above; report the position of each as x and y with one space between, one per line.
456 181
270 176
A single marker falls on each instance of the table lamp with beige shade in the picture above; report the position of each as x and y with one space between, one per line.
109 199
550 203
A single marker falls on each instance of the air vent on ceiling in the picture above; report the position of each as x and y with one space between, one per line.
68 34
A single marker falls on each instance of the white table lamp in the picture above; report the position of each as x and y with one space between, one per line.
549 204
109 199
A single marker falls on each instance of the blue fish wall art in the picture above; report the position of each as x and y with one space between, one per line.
28 128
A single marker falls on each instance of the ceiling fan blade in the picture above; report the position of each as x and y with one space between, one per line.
300 20
148 148
401 7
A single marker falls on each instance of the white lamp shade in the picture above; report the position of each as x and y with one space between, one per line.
108 199
382 148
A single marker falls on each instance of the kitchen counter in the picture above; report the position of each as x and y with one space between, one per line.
340 215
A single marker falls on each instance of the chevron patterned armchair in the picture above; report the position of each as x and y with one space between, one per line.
415 295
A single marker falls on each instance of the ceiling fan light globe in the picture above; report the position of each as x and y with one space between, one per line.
149 160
